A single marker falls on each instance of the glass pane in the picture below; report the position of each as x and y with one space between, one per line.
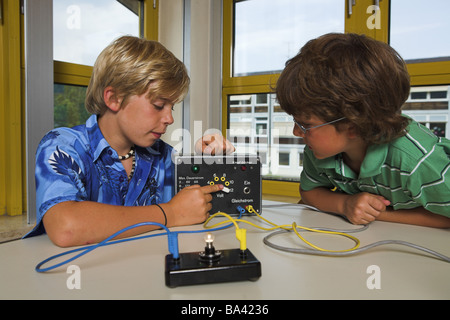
259 126
267 32
69 105
420 29
430 106
438 128
83 28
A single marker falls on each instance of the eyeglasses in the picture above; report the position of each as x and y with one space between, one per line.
305 130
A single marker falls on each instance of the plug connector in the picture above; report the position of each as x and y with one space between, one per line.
250 209
241 235
240 210
172 238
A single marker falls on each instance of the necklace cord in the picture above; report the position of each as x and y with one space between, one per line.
127 156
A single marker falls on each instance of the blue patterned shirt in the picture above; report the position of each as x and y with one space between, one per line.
78 164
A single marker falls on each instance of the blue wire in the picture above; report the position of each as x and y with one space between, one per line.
173 243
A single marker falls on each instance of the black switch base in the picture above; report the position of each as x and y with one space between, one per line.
192 268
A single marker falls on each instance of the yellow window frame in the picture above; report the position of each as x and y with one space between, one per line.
12 137
427 73
13 193
77 74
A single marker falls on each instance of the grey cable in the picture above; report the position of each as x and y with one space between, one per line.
348 253
345 253
364 227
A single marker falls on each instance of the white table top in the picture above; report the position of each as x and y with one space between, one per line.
135 269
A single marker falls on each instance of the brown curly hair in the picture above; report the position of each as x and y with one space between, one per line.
351 76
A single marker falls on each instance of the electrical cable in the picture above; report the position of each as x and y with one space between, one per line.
328 231
172 243
317 250
348 253
304 206
294 227
290 205
342 252
241 236
105 242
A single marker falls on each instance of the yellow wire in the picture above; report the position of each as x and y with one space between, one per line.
293 227
235 221
222 222
251 210
241 234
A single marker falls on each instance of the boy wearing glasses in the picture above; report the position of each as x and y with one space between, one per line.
363 158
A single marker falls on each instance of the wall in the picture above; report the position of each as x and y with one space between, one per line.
191 29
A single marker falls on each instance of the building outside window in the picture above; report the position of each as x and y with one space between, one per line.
261 35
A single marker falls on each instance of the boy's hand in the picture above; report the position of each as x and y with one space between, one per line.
363 208
191 205
213 144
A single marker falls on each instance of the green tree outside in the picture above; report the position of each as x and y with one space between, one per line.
69 109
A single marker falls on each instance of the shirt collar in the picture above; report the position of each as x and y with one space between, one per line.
96 138
371 166
374 160
155 149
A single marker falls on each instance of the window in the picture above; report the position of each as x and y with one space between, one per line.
259 126
419 30
430 106
69 107
261 35
283 159
83 28
267 32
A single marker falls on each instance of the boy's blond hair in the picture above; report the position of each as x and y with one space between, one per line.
130 65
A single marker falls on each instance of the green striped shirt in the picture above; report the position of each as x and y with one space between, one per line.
411 171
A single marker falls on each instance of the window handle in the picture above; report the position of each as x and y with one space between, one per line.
351 3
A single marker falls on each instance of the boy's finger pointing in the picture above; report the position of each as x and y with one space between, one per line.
212 188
